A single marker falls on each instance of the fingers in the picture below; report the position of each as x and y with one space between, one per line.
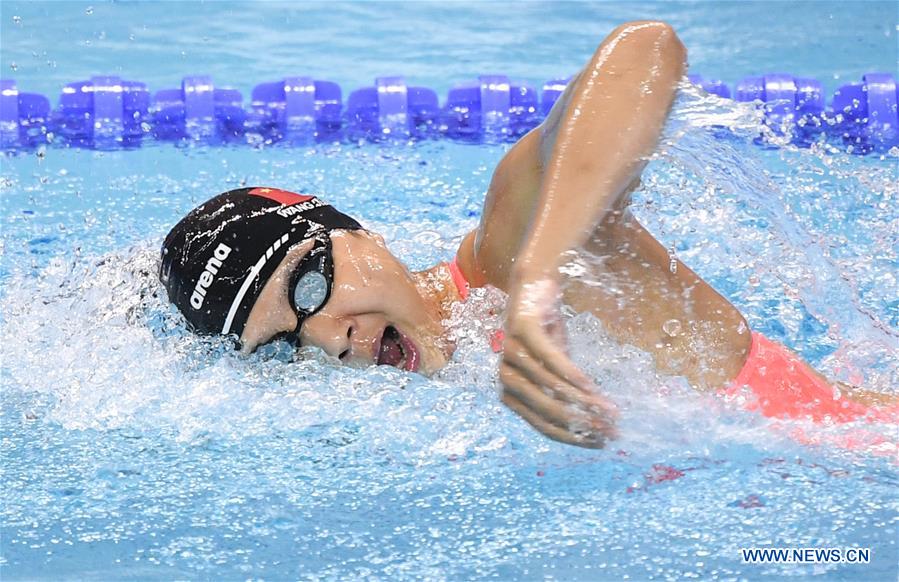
591 440
572 421
542 384
517 357
527 338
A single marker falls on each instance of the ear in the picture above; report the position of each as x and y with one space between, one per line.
363 233
374 235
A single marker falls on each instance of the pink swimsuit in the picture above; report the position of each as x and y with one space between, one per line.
786 387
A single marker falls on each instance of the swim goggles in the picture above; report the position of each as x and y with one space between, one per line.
309 287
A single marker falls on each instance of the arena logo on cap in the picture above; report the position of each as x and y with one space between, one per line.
281 196
219 255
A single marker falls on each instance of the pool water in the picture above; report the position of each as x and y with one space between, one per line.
135 450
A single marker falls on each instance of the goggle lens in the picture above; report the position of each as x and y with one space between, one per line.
310 284
311 292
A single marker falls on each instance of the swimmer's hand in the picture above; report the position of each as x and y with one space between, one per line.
540 382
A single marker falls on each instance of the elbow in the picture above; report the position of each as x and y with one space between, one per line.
658 33
654 37
671 43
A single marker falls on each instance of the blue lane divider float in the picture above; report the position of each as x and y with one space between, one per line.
109 112
198 111
492 106
866 113
23 117
552 90
790 103
295 109
711 86
390 108
104 111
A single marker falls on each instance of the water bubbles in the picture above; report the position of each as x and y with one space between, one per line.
89 10
13 66
272 444
17 20
145 127
672 327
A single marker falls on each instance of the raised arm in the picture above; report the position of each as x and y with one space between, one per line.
593 146
598 138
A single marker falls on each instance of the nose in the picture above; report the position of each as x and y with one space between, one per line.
334 335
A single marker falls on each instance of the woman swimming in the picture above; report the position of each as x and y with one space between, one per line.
266 264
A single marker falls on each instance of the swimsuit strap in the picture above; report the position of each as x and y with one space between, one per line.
459 279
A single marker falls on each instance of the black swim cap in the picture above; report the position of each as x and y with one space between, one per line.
216 261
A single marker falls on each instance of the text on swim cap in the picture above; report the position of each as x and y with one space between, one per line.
288 211
218 257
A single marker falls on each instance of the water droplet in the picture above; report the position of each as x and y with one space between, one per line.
13 66
17 19
130 37
145 127
672 327
89 10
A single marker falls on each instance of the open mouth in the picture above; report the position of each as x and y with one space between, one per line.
397 350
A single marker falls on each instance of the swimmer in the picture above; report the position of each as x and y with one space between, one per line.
264 264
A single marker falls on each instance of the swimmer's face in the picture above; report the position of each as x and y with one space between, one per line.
375 314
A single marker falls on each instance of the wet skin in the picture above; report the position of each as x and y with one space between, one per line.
375 301
561 188
559 195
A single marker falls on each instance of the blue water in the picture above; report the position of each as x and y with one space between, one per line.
134 450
